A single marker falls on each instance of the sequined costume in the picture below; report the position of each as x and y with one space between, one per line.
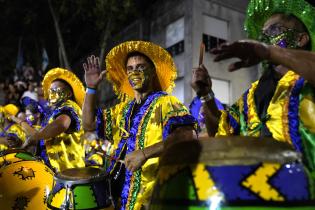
288 118
14 131
65 150
196 111
151 123
133 126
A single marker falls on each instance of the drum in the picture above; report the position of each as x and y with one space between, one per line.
24 181
80 188
232 174
8 157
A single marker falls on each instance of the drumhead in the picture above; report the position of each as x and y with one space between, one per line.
229 151
80 175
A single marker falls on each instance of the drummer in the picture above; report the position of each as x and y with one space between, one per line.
281 104
59 139
143 74
11 134
34 114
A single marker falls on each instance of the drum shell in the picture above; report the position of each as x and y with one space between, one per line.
15 155
25 185
89 193
232 174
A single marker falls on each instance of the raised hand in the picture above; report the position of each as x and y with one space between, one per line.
249 52
93 74
201 81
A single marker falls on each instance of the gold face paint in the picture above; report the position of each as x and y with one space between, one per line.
57 95
139 72
136 79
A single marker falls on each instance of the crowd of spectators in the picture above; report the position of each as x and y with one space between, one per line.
25 82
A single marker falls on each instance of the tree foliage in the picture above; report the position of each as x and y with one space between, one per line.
82 24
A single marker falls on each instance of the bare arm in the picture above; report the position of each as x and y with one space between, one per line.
212 116
202 85
58 126
29 130
137 158
300 61
93 76
252 52
88 112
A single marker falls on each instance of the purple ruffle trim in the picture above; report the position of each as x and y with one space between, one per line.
100 128
72 114
293 115
234 124
177 121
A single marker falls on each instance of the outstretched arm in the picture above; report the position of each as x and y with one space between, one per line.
29 130
301 62
58 126
252 52
93 76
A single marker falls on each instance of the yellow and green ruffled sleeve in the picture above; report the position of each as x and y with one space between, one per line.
110 124
170 113
229 122
16 131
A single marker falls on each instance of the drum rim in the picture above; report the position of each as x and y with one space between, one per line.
55 208
11 151
98 177
81 181
220 154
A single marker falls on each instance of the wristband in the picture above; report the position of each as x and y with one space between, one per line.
90 90
207 97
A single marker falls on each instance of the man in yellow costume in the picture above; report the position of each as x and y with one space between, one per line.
11 133
144 73
281 104
59 139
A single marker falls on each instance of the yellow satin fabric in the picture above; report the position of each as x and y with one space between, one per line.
277 110
307 113
165 108
18 131
66 150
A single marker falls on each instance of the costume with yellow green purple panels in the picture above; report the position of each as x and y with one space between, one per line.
152 123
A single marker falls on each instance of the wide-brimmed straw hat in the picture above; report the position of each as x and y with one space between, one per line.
116 66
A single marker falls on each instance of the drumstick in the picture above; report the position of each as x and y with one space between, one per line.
202 49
